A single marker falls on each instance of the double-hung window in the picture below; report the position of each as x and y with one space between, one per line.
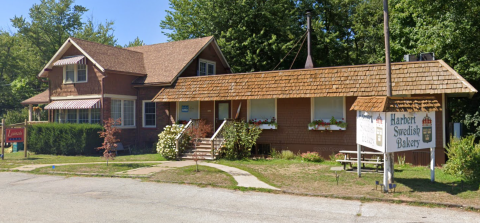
149 115
78 116
206 67
123 110
75 73
263 112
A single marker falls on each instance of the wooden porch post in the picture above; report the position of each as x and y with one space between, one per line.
25 140
30 111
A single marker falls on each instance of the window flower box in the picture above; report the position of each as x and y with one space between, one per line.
264 124
329 125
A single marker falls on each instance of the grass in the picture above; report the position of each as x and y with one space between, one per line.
112 168
413 183
17 159
205 176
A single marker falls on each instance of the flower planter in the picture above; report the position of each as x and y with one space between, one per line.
266 126
326 127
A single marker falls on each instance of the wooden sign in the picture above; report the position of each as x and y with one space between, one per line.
15 135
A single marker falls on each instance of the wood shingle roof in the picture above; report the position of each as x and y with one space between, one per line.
422 77
396 104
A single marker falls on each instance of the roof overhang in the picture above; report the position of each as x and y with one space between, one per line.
396 104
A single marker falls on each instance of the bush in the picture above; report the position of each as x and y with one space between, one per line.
463 158
239 140
166 145
335 157
312 157
16 116
287 155
64 139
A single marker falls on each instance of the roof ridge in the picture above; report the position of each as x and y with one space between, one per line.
170 42
74 38
317 68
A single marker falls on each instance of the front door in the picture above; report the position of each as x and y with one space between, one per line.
223 112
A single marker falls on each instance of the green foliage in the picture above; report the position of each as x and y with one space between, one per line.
463 158
335 157
64 139
239 140
166 145
16 116
135 42
97 32
287 155
312 157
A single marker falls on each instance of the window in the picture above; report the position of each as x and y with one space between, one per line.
123 110
95 116
206 67
188 110
72 116
326 107
149 114
83 116
262 109
75 73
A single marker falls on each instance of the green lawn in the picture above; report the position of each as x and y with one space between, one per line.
17 159
413 183
205 176
112 168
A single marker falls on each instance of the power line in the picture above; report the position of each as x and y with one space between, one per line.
291 50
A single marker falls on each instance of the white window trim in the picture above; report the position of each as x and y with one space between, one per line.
249 107
122 125
75 75
143 114
312 109
178 110
207 62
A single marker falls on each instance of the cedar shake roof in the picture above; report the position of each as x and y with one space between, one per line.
165 61
422 77
42 98
396 104
113 58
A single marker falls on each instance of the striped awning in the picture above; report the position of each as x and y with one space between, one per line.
71 60
74 104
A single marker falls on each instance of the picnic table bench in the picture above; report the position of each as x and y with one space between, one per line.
350 160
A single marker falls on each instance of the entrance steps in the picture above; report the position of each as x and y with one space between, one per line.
203 151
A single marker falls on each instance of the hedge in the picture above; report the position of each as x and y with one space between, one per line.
64 139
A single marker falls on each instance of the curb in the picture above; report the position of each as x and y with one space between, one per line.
388 200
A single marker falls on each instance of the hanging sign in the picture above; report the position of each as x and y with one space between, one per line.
396 131
14 135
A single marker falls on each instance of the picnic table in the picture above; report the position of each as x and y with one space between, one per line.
349 159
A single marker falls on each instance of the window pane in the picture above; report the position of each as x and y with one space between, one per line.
149 113
188 110
326 107
69 73
211 69
262 109
223 111
82 72
83 116
116 110
95 116
203 69
128 113
72 116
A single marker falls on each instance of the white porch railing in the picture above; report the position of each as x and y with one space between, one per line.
218 139
181 136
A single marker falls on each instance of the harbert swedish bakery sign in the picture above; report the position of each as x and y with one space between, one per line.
396 131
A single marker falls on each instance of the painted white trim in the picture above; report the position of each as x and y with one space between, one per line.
214 114
248 110
444 134
198 110
276 117
177 111
344 104
86 96
312 109
344 109
223 59
75 74
200 60
119 96
59 52
122 112
143 114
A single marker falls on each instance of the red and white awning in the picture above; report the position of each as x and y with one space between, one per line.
74 104
71 60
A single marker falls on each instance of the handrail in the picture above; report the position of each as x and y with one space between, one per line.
179 137
183 131
218 137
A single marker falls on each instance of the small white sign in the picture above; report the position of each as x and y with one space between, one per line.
396 131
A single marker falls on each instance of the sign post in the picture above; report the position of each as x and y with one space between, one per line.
25 140
3 139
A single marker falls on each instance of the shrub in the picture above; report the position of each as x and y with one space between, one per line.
463 158
16 116
335 157
166 145
239 140
312 157
64 139
109 139
287 155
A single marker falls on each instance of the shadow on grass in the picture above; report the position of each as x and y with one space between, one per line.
425 185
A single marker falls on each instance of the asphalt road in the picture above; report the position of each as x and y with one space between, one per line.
40 198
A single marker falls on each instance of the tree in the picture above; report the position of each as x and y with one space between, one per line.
97 32
135 42
109 143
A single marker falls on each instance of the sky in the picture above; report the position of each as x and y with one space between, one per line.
132 18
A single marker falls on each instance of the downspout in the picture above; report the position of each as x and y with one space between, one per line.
102 97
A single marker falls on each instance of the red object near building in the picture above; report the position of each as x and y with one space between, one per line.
15 135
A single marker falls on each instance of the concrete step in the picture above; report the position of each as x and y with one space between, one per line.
203 158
